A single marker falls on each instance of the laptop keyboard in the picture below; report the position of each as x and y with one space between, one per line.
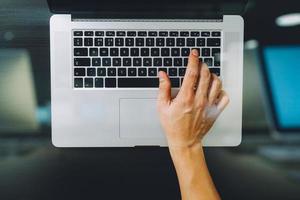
132 59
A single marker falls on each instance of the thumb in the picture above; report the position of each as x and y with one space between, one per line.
164 94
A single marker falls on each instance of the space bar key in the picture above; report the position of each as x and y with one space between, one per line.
137 82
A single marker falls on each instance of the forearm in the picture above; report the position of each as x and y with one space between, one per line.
193 176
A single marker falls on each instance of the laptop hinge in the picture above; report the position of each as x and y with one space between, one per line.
144 17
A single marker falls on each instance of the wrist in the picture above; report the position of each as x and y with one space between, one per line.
185 149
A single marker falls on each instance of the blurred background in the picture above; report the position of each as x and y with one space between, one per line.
265 166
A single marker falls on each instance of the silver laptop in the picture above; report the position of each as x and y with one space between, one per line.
105 57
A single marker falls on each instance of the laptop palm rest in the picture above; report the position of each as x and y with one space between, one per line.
138 115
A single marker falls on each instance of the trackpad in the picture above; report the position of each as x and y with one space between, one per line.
139 119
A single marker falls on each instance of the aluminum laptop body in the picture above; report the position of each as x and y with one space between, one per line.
127 116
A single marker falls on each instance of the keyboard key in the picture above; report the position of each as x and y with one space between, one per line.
131 33
98 41
77 33
216 33
172 71
134 52
77 41
137 82
216 71
110 83
129 42
177 62
131 71
93 51
182 71
160 42
142 71
137 61
163 33
88 33
88 83
165 52
96 61
103 51
99 33
208 61
88 41
213 42
91 71
110 33
216 53
147 61
190 42
82 61
78 82
167 62
98 82
170 42
117 62
152 33
142 33
149 42
184 33
155 52
175 52
185 61
174 33
106 62
205 33
80 51
180 42
163 69
79 71
119 42
152 72
200 42
144 52
185 52
157 62
195 33
101 72
114 52
109 42
126 61
124 52
121 71
121 33
139 41
205 52
111 71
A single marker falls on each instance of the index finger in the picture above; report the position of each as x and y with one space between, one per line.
191 75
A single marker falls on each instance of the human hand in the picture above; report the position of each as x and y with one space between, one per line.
190 115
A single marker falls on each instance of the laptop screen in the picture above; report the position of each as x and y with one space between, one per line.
282 70
145 8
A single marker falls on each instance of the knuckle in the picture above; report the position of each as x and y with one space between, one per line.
201 104
193 73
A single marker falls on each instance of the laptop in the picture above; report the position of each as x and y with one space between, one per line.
105 57
280 70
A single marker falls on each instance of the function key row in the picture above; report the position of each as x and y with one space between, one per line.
149 33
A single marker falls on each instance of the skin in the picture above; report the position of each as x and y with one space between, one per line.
186 119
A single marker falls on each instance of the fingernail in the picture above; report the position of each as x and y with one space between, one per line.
195 52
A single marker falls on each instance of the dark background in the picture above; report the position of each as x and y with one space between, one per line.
31 168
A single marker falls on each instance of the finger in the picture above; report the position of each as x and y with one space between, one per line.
222 101
164 93
204 82
191 75
215 89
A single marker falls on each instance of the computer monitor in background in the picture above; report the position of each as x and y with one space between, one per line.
281 72
17 94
